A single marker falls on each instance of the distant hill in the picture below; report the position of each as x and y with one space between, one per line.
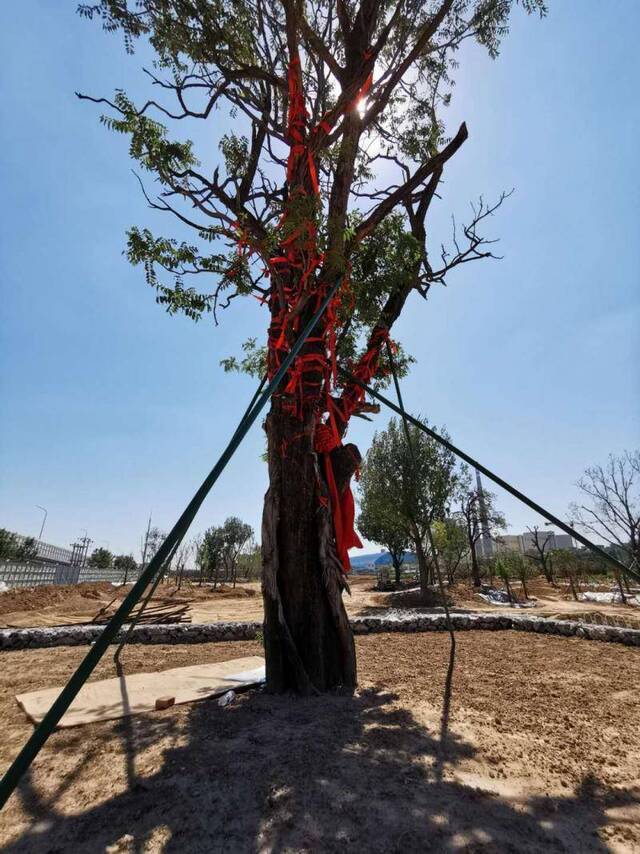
371 561
360 561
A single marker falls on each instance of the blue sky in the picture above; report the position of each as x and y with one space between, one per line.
112 409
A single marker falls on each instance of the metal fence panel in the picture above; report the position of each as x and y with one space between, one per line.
33 574
27 574
47 551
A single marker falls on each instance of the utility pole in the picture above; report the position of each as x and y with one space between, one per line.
84 544
44 519
146 544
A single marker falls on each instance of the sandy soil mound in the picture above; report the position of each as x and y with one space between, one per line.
229 592
197 593
527 744
60 604
45 595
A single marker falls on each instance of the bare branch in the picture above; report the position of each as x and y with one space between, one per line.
405 191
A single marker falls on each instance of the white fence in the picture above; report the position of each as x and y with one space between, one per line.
32 574
47 551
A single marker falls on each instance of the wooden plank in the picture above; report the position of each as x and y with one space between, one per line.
108 699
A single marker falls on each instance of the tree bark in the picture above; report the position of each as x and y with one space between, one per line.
618 578
423 567
397 567
475 569
573 587
309 645
508 586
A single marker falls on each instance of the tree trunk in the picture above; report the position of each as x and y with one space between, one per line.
397 567
620 588
423 567
475 569
309 645
508 586
573 587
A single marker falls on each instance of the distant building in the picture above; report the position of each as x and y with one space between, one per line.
508 543
525 543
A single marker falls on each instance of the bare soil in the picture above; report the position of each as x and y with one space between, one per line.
67 596
528 743
63 604
55 605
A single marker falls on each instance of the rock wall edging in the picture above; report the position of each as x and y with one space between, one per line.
38 638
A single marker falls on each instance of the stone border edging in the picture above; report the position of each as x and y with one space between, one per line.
38 638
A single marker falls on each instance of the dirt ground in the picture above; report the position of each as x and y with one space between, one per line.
64 604
528 744
56 605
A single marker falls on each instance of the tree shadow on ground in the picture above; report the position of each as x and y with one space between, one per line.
283 774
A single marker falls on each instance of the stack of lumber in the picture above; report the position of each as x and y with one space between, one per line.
157 611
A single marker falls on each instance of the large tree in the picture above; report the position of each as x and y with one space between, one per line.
377 524
8 544
127 566
236 534
101 559
451 541
611 504
14 547
409 488
221 548
329 168
209 554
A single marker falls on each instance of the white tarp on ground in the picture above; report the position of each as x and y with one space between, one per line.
612 598
107 699
500 597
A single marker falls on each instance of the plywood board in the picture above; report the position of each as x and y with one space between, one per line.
107 699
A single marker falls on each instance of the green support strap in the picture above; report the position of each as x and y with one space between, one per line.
162 570
495 478
42 732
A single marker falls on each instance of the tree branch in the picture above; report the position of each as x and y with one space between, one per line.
403 192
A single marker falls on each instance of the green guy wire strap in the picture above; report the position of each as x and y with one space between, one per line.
165 566
42 732
496 479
